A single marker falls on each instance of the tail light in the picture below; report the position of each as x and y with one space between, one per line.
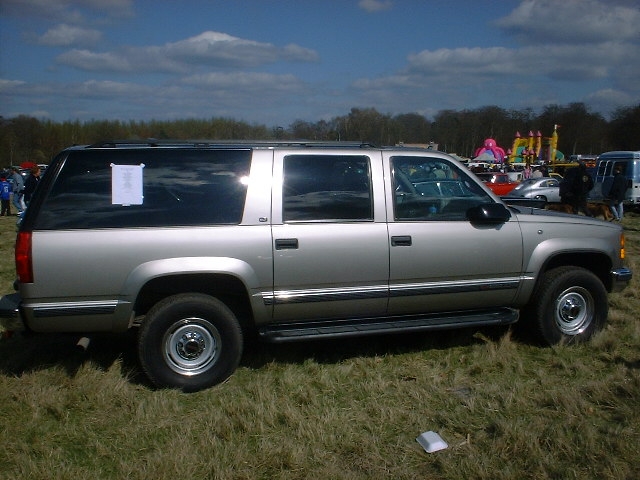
622 250
24 264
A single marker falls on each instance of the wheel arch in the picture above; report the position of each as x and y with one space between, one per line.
596 262
227 288
230 280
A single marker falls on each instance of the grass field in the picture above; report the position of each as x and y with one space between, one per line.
335 409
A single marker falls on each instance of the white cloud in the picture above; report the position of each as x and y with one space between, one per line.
463 61
575 63
220 48
68 11
7 85
209 49
108 89
114 7
530 75
372 6
610 96
64 35
245 81
207 95
572 21
95 62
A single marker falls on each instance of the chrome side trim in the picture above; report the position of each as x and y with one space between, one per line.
454 287
68 309
287 297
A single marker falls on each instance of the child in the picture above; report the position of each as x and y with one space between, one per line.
5 196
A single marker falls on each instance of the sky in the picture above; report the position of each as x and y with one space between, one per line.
272 63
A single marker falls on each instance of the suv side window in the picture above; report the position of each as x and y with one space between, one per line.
180 187
429 188
327 188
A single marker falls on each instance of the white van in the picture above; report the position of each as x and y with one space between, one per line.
629 162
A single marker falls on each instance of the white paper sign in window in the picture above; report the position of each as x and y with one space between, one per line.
126 184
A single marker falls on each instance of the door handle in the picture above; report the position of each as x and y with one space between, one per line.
286 243
401 241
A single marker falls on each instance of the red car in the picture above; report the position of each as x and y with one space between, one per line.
498 182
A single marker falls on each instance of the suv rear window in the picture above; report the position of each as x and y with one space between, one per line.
179 187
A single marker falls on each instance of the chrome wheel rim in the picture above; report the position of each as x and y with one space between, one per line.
192 346
574 311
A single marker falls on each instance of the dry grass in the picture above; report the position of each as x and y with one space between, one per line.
347 409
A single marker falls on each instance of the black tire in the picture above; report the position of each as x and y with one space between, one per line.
190 342
569 305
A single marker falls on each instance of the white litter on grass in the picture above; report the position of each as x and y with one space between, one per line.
431 442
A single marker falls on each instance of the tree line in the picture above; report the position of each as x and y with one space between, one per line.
580 131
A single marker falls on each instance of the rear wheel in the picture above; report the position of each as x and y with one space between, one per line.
190 342
569 305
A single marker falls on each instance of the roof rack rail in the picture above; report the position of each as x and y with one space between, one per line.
152 142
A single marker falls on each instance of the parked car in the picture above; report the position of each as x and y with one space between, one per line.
201 245
499 183
545 188
629 164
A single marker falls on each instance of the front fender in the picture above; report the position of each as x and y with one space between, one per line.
586 252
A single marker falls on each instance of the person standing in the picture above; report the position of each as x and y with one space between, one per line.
617 193
566 186
5 196
31 183
18 190
582 185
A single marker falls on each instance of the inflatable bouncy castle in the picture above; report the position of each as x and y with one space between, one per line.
536 148
490 152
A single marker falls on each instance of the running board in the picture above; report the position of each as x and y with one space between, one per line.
288 332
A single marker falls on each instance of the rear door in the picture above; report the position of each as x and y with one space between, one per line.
607 164
330 241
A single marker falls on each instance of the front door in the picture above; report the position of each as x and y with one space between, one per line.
439 260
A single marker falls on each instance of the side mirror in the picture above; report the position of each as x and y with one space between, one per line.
489 213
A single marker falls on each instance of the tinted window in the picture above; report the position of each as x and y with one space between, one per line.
179 187
601 168
549 183
326 187
432 189
622 165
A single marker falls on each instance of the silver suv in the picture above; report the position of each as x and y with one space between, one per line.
200 244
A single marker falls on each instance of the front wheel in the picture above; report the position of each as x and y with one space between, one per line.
190 342
569 305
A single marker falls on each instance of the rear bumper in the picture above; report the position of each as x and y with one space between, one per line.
620 278
10 318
